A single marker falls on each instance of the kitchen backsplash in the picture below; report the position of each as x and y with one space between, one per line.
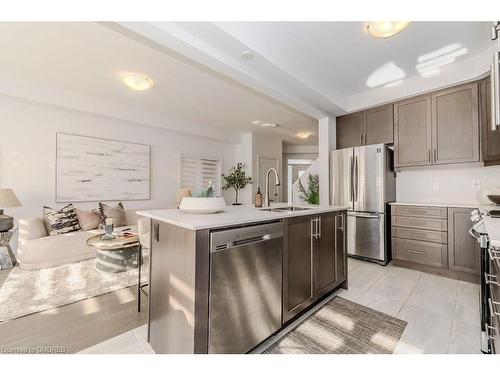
455 185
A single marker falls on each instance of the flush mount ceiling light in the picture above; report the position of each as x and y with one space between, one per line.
386 29
304 135
136 81
247 55
269 125
256 122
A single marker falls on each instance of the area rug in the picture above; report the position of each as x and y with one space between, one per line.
342 327
26 292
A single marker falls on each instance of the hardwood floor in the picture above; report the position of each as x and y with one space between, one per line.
76 326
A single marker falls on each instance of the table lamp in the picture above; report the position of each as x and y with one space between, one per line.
7 199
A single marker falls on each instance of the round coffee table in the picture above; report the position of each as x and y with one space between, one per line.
117 255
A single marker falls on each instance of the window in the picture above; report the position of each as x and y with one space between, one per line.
197 172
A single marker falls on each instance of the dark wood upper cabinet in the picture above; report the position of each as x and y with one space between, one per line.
298 291
490 139
463 250
455 125
350 130
375 125
413 132
379 125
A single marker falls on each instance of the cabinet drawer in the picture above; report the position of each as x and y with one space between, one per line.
428 253
423 211
420 223
420 234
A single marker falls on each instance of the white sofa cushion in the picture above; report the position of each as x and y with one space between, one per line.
38 250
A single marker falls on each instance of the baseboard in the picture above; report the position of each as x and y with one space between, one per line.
463 276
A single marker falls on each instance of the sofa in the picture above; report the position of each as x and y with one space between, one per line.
37 250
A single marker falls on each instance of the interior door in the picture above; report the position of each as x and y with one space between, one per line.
368 178
341 163
366 235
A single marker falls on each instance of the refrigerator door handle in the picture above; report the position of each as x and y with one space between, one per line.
357 179
351 182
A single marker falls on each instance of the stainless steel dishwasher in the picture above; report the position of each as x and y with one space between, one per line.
245 287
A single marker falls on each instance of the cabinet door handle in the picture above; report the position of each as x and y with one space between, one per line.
430 161
313 229
341 228
156 232
435 155
319 227
417 252
361 139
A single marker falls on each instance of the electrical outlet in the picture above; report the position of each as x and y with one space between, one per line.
435 186
476 185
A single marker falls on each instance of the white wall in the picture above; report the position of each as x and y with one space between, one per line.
455 185
28 144
266 146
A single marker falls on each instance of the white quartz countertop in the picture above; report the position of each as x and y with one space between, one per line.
493 228
232 216
441 204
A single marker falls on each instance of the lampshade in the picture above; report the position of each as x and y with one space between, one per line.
8 199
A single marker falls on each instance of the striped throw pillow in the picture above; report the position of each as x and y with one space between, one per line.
62 221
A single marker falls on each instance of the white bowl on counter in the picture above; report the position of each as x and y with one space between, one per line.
193 205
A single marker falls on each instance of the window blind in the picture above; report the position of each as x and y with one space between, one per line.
197 172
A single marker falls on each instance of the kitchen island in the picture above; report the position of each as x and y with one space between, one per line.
223 283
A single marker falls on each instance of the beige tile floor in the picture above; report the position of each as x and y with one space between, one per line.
442 314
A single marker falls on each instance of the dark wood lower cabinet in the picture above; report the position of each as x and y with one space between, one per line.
464 253
298 292
315 260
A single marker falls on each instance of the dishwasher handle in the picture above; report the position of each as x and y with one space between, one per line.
246 241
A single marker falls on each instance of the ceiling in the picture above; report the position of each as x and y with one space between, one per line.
301 71
330 68
88 58
339 59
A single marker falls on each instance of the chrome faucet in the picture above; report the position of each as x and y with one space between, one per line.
267 201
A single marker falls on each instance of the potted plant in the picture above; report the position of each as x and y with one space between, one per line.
237 180
311 194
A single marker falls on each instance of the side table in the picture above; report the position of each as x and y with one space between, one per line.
7 258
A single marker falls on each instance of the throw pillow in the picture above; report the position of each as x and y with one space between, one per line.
88 219
62 221
116 213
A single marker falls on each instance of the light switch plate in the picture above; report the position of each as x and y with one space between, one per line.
476 185
435 186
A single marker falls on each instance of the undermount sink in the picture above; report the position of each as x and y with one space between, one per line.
288 208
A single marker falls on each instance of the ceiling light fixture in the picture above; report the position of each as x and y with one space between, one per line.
256 122
304 135
385 29
269 125
247 55
136 81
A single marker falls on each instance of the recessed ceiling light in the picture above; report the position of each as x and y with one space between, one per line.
303 135
386 29
137 81
269 125
256 122
247 55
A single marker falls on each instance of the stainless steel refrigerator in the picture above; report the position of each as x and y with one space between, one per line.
363 179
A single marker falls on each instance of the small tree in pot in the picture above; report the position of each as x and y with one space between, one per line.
237 180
